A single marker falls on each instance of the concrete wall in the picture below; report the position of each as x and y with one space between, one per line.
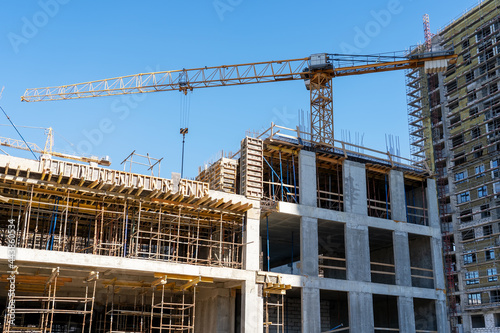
215 311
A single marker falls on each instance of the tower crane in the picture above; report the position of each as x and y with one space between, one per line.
47 150
317 71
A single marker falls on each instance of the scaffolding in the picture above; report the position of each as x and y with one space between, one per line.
41 313
274 291
454 124
173 227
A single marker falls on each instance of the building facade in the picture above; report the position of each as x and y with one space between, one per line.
454 127
286 238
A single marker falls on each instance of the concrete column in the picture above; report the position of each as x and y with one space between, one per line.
432 204
397 195
307 178
442 317
251 238
309 246
402 258
361 312
357 248
310 307
252 308
354 187
437 263
406 315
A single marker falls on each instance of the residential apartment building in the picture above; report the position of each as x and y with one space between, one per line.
454 122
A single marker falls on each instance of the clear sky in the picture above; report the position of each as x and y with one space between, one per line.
55 42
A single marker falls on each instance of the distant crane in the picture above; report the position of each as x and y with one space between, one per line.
317 71
47 150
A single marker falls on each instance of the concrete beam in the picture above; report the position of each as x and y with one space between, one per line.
402 258
357 253
361 312
307 178
310 307
397 195
351 218
354 187
309 246
406 315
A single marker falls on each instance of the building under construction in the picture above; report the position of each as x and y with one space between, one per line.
285 236
454 125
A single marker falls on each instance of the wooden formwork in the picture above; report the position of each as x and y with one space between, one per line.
251 171
221 175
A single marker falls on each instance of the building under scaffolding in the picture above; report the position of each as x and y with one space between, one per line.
454 126
283 237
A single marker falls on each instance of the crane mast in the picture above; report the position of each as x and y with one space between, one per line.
317 71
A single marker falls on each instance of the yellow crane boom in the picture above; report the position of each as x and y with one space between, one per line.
20 144
317 70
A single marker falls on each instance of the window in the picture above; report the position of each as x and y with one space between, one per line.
460 158
460 177
450 70
492 275
455 121
453 105
495 173
475 132
463 197
469 257
497 319
483 33
494 296
482 191
489 254
479 170
485 212
496 187
478 151
468 234
465 44
493 88
466 59
451 87
471 97
472 277
477 320
473 112
466 216
474 299
469 76
457 140
484 92
487 230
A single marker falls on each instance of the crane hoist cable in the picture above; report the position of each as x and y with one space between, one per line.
185 105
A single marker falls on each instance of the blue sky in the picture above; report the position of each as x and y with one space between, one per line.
56 42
